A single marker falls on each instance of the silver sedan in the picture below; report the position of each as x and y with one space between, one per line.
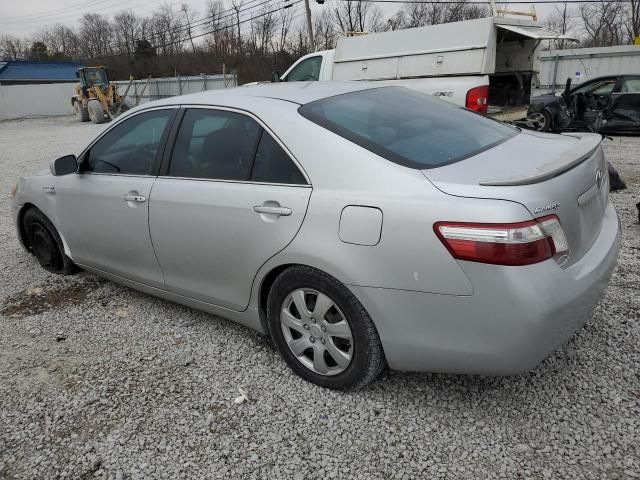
360 227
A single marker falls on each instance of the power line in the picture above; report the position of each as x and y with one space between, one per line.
56 16
71 7
482 2
264 14
202 22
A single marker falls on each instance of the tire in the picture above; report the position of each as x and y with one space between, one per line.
541 120
81 112
45 244
96 112
360 358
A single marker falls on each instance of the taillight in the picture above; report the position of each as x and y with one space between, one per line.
520 243
478 99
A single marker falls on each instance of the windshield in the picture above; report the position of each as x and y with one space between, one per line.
407 127
95 77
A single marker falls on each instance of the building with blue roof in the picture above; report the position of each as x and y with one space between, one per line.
24 72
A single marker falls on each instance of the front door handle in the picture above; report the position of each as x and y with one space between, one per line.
135 198
273 210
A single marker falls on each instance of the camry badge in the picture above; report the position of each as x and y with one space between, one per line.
546 208
599 178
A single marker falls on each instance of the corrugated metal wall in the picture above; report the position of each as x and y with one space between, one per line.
582 64
158 88
20 101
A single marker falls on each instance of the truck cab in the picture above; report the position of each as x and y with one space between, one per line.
312 67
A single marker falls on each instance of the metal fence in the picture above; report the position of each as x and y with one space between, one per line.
581 64
142 91
22 101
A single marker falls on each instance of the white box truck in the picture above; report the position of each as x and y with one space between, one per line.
487 65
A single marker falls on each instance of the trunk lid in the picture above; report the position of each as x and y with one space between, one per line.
565 175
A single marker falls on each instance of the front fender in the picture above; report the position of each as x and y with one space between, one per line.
38 191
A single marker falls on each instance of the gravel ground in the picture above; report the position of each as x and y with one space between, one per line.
100 381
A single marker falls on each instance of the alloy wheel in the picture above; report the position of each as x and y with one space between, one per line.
538 120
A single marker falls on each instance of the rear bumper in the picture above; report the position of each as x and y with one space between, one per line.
514 319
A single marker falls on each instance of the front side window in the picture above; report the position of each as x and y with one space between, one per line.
307 70
214 144
407 127
599 87
130 147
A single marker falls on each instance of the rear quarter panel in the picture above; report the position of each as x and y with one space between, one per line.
408 256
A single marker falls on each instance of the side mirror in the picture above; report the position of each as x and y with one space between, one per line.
77 74
64 165
275 77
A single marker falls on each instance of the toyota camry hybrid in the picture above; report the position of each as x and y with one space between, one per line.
359 227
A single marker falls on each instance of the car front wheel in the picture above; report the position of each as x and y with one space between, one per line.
322 331
541 121
45 243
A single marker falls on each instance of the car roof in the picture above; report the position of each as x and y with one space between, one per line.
295 92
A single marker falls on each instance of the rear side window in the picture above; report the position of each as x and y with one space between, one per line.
273 165
631 85
214 144
222 145
407 127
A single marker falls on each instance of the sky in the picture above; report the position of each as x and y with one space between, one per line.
25 17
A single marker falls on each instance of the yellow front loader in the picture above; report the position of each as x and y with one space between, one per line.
95 98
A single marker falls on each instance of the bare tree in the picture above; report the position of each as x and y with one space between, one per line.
222 37
61 42
434 12
237 7
632 23
189 15
357 16
95 36
325 31
458 12
263 28
126 29
13 48
602 23
397 21
167 31
285 20
559 21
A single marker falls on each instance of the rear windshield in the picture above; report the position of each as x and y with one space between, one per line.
407 127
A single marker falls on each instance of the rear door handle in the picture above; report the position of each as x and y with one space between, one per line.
135 198
283 211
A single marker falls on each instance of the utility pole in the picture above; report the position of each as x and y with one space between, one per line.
309 25
493 8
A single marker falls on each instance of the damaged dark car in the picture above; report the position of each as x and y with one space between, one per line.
605 105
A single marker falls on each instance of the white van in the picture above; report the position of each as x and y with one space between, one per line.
487 65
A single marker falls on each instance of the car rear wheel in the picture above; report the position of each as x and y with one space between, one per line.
44 242
322 331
